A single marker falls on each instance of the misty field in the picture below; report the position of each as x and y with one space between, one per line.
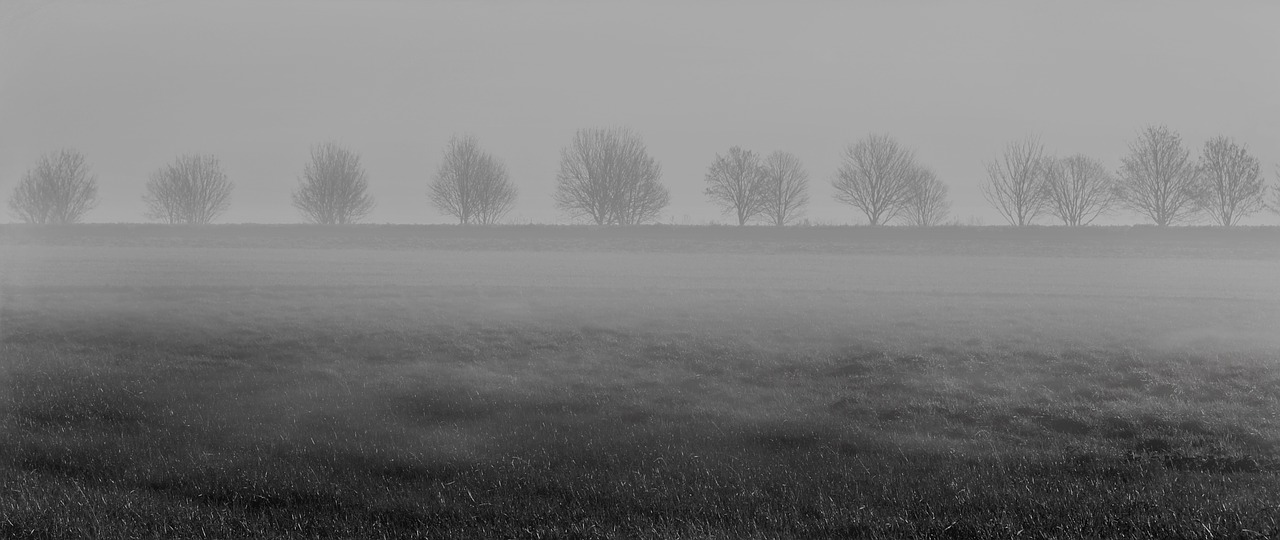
668 382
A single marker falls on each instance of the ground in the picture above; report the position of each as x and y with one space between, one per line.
655 382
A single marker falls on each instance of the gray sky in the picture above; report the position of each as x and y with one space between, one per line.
133 84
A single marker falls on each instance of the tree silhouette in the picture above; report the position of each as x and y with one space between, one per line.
786 188
334 188
1158 179
875 176
735 182
193 189
57 190
607 176
472 185
1015 181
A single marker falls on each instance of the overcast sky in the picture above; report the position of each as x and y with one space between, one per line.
134 84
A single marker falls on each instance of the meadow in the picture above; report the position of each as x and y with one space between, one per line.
652 382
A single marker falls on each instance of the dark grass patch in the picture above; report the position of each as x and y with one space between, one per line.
81 401
665 489
786 438
444 406
445 431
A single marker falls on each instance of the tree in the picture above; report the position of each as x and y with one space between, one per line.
1275 190
58 190
736 183
1158 178
334 187
927 202
1077 189
607 175
1015 181
193 189
472 185
785 188
1232 186
875 176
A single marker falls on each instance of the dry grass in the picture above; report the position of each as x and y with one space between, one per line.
271 393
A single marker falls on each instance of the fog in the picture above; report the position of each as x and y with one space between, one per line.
410 378
133 84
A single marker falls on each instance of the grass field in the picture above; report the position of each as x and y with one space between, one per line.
663 382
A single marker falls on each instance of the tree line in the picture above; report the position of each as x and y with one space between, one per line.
607 177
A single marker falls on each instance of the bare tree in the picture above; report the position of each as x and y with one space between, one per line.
736 183
1077 189
927 201
193 189
785 188
1275 191
1158 178
472 185
1232 187
58 190
607 175
1015 181
334 187
875 176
